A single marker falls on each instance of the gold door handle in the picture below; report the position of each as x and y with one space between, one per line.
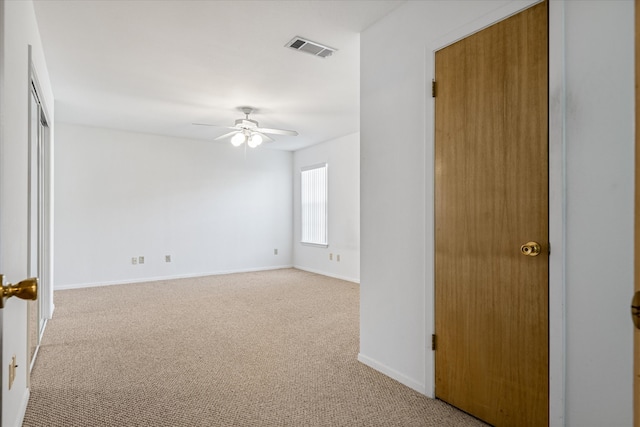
27 290
530 249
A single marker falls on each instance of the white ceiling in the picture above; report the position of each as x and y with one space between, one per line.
158 66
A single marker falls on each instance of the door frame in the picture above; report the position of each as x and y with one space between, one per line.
556 194
2 57
46 169
636 286
43 187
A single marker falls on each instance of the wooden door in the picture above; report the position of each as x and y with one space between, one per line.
636 334
491 197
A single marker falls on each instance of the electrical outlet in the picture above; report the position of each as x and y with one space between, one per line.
338 258
140 260
167 258
12 371
275 252
134 260
330 257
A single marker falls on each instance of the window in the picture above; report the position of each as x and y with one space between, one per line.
313 198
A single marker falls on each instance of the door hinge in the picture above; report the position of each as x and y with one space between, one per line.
433 342
433 88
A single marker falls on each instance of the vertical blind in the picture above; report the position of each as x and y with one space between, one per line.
313 189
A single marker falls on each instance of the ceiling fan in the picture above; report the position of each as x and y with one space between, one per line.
249 131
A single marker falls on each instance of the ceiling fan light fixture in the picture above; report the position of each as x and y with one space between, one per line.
249 131
256 140
238 139
253 141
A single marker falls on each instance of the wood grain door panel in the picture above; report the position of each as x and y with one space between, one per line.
491 197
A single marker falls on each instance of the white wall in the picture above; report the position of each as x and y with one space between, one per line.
599 207
343 156
397 198
120 195
396 304
19 30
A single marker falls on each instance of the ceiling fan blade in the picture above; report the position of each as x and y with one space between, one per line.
226 135
265 136
207 124
277 131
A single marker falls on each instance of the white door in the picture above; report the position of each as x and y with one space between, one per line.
14 245
14 205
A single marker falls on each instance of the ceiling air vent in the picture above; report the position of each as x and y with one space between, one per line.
304 45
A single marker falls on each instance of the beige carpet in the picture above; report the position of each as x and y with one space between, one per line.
275 348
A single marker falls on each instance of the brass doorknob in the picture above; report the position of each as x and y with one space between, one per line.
530 249
27 290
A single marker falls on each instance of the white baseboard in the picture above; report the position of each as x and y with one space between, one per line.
392 373
23 409
324 273
159 278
